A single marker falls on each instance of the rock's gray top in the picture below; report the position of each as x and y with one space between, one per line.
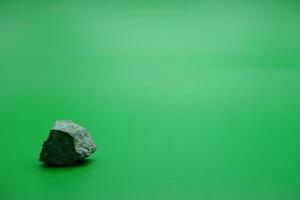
84 144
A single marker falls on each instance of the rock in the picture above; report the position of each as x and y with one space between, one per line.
67 144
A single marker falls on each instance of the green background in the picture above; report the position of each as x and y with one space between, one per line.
185 99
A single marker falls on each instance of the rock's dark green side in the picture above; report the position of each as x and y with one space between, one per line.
59 149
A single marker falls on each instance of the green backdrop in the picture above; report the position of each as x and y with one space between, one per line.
185 100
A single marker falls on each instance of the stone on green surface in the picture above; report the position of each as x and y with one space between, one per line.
67 144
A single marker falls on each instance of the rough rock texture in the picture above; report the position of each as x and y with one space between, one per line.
67 144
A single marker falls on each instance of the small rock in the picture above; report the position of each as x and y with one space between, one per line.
67 144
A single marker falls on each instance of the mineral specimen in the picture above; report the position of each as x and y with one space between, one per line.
67 144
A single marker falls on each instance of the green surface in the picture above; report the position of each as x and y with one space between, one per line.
185 100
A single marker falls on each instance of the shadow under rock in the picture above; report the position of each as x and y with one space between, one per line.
81 163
